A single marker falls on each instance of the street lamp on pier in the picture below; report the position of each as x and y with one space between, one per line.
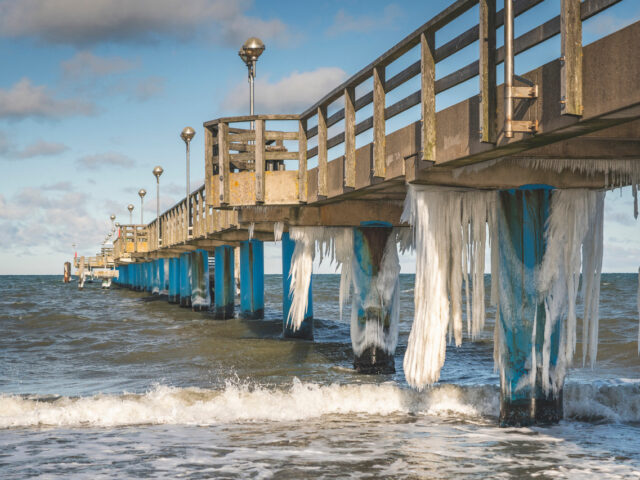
130 208
157 171
142 192
249 53
187 134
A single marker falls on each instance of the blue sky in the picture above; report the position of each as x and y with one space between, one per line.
94 94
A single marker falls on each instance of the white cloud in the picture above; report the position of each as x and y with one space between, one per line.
108 159
24 100
148 88
291 94
41 148
85 64
64 186
343 22
82 22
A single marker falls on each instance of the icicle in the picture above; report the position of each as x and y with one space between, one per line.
301 269
251 228
638 311
575 223
278 228
449 231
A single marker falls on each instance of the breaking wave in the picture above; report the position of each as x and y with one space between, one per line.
236 403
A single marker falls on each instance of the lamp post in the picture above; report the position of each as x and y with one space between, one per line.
187 134
249 53
130 208
157 171
142 192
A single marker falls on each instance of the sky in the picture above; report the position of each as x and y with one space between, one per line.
94 94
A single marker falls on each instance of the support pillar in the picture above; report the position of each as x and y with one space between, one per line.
225 286
306 328
185 280
200 297
252 279
174 280
522 215
373 336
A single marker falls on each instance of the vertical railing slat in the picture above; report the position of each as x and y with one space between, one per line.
487 69
302 161
379 135
223 162
350 137
322 152
571 51
428 100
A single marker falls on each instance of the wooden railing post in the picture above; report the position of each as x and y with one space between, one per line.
259 161
223 163
428 100
322 152
487 71
571 60
302 161
379 135
350 137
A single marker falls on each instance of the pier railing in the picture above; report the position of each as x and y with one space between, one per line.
131 239
246 166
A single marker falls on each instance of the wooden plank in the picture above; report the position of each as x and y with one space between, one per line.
571 60
281 155
251 118
487 71
259 161
275 135
350 137
322 152
223 163
302 161
208 161
428 98
379 141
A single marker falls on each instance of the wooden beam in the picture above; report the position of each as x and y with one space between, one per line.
302 161
259 161
487 71
428 100
350 137
379 98
571 56
322 152
223 163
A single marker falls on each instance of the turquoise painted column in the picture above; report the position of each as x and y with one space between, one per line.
252 279
521 222
373 336
149 286
174 280
200 295
156 281
306 328
138 286
185 280
224 283
164 289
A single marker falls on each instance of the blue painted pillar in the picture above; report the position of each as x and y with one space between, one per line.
306 328
252 279
149 282
174 280
521 222
185 280
373 337
138 286
164 288
200 295
224 282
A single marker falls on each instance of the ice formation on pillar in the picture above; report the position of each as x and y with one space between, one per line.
449 235
638 311
278 228
251 229
382 296
301 269
165 279
573 239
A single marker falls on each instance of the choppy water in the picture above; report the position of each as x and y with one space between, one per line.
114 384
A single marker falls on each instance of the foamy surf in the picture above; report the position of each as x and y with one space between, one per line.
250 403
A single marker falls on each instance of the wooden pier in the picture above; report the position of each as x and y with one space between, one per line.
559 125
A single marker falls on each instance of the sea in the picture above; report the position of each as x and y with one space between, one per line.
111 383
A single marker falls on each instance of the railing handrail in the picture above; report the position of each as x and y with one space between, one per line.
252 118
